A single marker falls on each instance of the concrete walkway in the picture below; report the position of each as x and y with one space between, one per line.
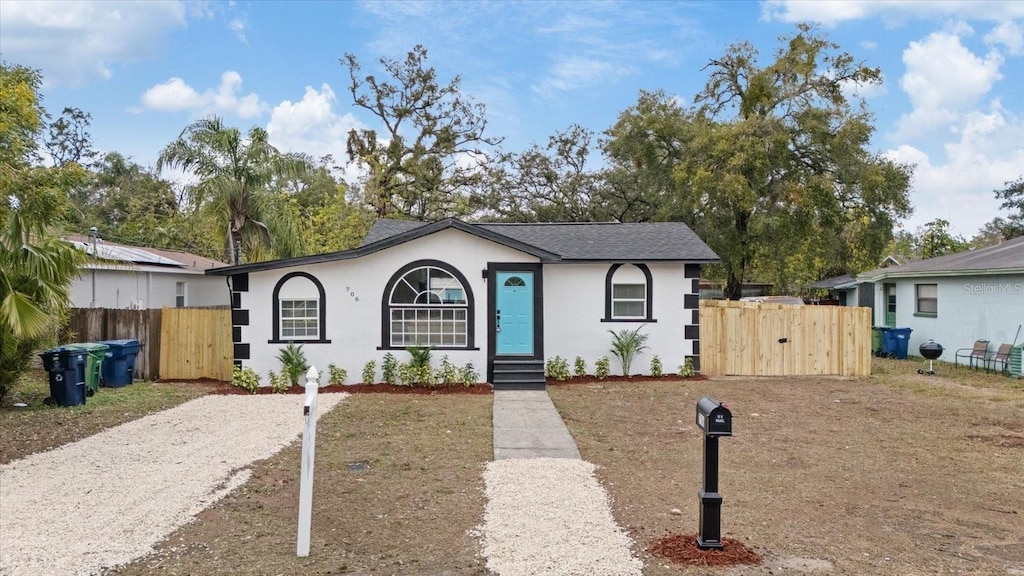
526 425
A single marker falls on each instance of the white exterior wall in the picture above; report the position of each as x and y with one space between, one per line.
119 288
969 308
355 291
574 305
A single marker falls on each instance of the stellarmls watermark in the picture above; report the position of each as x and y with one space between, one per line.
988 288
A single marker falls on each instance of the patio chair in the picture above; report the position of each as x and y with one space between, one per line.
978 354
1001 356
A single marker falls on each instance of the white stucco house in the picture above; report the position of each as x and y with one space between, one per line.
954 299
126 276
504 297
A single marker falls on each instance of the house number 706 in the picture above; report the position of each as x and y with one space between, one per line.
351 293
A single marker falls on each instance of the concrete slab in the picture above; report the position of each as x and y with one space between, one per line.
526 425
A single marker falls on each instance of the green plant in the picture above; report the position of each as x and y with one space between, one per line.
448 373
557 368
389 368
369 372
410 374
420 355
626 345
278 382
602 368
293 363
468 375
245 378
579 367
336 375
656 369
686 370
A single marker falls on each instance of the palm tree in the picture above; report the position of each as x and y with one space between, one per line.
235 175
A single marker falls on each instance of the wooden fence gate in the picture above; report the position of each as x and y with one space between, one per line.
763 339
177 343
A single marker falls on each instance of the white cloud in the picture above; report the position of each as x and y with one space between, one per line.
869 44
311 126
867 91
177 96
238 26
836 11
1008 34
943 79
77 42
988 151
574 72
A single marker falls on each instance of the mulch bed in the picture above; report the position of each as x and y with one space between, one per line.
683 549
365 389
634 378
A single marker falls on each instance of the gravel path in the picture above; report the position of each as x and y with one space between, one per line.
550 516
109 498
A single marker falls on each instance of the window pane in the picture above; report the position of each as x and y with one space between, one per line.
927 290
628 309
928 305
636 291
299 319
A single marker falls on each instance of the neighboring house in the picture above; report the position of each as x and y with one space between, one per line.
846 291
125 276
504 297
954 299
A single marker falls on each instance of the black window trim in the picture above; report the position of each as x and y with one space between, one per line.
608 294
385 305
322 311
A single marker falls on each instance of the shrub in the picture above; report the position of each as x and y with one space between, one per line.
686 370
336 375
369 372
602 368
656 369
468 375
579 367
245 378
293 363
557 368
448 374
389 368
278 382
410 374
420 356
626 345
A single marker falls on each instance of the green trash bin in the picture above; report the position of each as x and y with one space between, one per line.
93 363
877 333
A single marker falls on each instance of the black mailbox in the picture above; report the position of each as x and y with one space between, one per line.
714 418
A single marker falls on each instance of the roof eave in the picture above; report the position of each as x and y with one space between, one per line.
896 273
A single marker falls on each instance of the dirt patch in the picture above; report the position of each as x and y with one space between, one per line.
366 389
683 549
398 489
1005 440
875 475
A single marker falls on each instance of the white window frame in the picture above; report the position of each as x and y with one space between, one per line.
643 301
180 294
918 298
288 328
434 321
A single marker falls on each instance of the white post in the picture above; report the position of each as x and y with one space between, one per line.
308 449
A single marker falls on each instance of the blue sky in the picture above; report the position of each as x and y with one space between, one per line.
952 101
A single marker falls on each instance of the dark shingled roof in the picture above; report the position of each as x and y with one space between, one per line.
1008 257
667 241
588 240
830 283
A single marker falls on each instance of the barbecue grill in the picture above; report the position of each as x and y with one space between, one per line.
930 351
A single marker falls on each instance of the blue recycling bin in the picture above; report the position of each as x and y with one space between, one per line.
66 368
119 365
895 342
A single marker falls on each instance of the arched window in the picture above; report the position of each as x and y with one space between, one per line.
428 303
300 309
629 294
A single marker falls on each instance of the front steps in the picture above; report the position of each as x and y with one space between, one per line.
518 375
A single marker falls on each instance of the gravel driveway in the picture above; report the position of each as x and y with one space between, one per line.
109 498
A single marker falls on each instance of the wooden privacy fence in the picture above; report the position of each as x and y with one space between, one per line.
177 343
95 324
196 343
763 339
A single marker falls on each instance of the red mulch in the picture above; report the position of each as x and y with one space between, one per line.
365 389
683 549
634 378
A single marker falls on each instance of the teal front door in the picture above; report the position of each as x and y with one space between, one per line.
514 313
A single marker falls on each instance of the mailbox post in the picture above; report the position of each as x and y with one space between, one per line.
715 419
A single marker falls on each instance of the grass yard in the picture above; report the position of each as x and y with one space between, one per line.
409 512
38 427
897 474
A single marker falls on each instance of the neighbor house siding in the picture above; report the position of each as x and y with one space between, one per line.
574 309
969 308
354 291
120 288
